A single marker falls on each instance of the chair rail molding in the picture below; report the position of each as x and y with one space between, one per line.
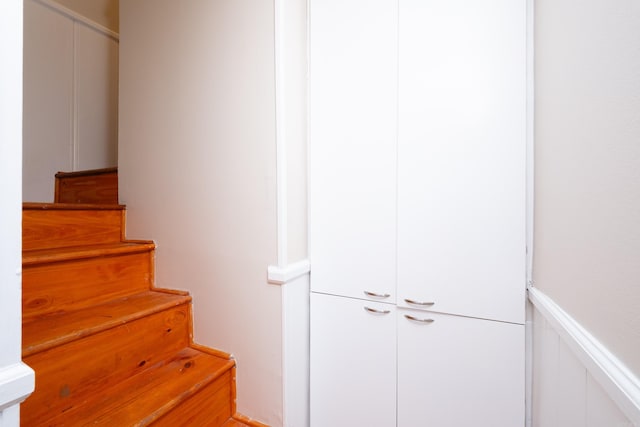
622 386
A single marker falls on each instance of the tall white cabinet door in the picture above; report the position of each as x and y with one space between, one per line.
352 169
353 362
461 156
457 371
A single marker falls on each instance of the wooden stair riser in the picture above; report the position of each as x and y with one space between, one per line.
99 186
65 375
42 229
146 398
75 284
216 397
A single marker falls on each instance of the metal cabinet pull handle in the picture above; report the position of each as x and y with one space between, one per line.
373 310
373 294
415 319
410 301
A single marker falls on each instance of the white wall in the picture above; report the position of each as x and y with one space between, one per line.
16 380
587 198
197 163
70 96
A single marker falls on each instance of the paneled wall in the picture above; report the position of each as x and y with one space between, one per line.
576 383
70 96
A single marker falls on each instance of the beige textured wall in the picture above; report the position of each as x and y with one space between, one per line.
197 165
104 12
587 136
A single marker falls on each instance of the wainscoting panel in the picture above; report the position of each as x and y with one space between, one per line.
565 389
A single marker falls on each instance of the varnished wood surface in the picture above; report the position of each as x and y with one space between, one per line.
50 255
55 228
98 186
108 348
70 372
75 284
247 421
234 423
143 399
89 172
42 206
40 333
210 407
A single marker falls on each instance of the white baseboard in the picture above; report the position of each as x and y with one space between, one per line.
621 385
17 382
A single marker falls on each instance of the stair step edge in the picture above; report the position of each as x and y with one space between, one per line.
71 206
161 301
45 256
129 396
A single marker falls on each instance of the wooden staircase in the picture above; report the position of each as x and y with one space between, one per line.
109 348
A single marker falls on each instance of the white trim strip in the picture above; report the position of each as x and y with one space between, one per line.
281 276
530 182
17 382
281 140
79 18
622 386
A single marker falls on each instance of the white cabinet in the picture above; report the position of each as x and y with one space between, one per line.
456 371
352 155
461 156
353 364
417 193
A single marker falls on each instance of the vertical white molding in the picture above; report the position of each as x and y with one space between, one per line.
530 137
281 136
16 378
75 149
530 111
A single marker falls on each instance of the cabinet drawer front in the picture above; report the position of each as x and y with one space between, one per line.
458 371
353 362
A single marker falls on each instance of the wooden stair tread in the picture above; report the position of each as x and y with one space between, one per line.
39 256
47 331
231 422
147 396
90 172
71 206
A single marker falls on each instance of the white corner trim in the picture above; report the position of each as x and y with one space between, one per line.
281 276
281 136
79 18
17 382
622 386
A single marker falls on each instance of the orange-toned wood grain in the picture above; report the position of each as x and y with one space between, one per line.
81 282
100 187
211 407
248 421
108 348
41 333
66 375
147 397
55 228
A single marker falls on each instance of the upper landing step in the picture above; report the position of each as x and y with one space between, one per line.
36 206
88 186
